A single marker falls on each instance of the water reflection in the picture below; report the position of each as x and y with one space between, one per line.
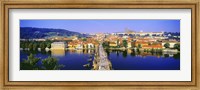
124 59
134 53
58 52
36 52
124 52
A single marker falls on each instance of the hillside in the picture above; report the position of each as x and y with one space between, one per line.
31 32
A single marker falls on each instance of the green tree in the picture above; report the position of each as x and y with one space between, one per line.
30 46
48 44
35 46
26 44
51 63
177 56
177 46
139 46
147 50
105 44
125 44
84 39
159 50
153 50
22 45
166 45
108 52
30 63
42 45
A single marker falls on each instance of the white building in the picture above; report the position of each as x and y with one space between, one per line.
39 39
58 45
79 46
125 37
90 45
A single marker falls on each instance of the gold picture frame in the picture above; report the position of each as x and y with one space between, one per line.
6 5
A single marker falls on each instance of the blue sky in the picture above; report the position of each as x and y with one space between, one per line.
105 26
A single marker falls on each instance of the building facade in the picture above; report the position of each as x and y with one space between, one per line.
58 45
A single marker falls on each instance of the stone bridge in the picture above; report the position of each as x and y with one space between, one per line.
101 61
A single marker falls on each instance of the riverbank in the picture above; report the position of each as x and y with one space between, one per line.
123 49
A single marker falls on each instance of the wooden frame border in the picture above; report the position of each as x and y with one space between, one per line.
126 5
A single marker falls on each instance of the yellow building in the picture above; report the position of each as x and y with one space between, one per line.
113 44
70 46
130 44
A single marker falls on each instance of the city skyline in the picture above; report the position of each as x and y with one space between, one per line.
105 26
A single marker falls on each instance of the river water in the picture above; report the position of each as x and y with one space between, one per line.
120 59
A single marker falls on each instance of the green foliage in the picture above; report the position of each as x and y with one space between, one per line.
139 46
113 46
105 44
125 44
138 50
152 50
108 52
177 46
166 45
158 50
35 46
147 50
26 45
51 63
177 56
42 45
30 46
22 45
48 45
30 63
84 39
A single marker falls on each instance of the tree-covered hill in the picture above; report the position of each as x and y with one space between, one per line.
31 32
